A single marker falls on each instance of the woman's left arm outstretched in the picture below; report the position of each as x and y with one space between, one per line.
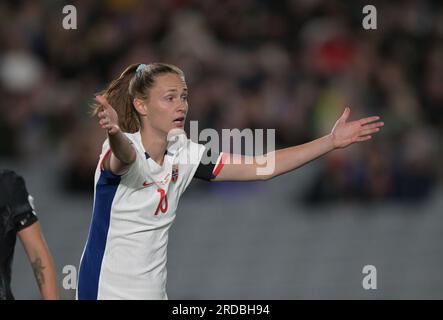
343 134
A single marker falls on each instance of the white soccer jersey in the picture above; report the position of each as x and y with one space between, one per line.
125 254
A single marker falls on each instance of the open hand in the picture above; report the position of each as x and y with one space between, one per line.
108 117
345 133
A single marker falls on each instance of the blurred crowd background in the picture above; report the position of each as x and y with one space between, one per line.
290 65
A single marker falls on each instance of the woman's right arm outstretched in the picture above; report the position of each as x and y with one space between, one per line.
123 153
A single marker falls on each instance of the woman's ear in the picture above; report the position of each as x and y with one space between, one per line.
140 106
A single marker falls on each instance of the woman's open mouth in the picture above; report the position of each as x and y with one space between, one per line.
179 122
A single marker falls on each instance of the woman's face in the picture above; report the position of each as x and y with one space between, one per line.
167 105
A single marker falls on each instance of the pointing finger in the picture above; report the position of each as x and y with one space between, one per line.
100 99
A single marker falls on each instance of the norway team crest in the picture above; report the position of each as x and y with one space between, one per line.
174 176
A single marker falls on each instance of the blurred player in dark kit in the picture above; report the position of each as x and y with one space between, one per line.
17 217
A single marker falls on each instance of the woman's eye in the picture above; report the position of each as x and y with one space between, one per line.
169 98
184 98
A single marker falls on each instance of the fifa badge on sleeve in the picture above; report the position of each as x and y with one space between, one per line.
174 176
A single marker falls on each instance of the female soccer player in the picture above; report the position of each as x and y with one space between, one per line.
141 176
17 217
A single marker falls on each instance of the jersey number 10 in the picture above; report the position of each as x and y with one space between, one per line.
163 203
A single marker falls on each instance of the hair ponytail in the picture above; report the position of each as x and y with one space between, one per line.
117 94
134 82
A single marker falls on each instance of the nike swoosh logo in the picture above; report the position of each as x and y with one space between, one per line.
164 181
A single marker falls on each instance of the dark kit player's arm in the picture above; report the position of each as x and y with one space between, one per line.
28 230
41 260
123 153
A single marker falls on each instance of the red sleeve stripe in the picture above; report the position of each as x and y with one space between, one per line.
219 164
103 159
